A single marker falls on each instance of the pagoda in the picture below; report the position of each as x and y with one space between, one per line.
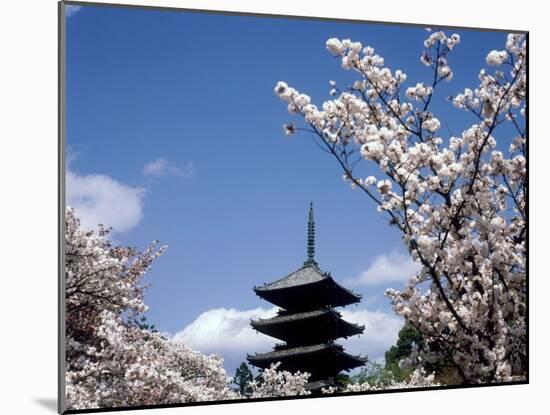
308 323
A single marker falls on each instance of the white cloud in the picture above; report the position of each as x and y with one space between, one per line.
164 167
380 333
71 10
101 199
392 267
228 333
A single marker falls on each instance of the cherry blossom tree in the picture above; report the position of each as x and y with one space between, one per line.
459 201
275 383
111 360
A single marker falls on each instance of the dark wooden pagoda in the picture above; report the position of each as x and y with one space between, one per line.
308 322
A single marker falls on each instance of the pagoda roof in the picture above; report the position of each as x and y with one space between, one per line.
288 292
318 325
307 274
295 351
321 360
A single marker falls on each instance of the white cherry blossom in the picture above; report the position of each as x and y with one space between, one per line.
275 383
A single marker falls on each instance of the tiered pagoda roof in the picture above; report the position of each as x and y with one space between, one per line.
317 326
307 287
308 322
322 361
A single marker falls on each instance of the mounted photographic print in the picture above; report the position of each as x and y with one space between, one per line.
258 207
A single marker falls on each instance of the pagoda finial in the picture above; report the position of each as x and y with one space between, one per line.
310 238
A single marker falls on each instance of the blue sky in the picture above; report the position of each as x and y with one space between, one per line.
174 133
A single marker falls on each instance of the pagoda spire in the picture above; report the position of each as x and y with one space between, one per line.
310 238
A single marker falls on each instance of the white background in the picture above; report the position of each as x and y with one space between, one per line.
28 207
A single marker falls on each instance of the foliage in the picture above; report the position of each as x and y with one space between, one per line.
459 202
408 339
342 380
141 322
243 377
374 373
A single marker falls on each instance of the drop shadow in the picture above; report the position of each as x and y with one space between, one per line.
48 403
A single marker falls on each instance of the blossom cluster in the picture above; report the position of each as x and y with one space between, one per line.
275 383
459 202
